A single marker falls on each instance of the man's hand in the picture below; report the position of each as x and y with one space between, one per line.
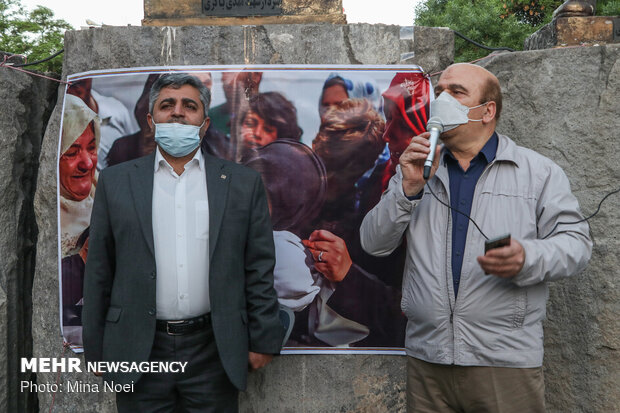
330 253
258 360
504 262
412 163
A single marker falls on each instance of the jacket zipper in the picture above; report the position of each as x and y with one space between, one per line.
448 281
448 276
452 310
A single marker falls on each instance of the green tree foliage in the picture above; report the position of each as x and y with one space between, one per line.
608 8
35 34
532 12
494 23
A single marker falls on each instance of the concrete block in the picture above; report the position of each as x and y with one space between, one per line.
226 13
573 31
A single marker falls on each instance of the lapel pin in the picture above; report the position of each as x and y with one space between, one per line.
223 176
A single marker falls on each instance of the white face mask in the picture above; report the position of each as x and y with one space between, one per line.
451 112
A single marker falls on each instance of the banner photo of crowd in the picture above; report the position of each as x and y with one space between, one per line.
326 139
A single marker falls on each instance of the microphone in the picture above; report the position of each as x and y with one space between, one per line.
435 127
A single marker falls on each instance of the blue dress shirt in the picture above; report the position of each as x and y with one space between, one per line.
462 186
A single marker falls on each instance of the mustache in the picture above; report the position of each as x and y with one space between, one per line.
178 120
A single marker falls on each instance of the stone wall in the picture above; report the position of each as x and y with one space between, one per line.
561 103
564 104
26 103
114 47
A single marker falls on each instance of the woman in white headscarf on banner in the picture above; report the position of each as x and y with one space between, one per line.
77 166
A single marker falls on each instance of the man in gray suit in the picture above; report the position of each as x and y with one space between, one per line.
180 265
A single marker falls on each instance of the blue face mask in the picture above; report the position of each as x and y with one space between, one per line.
177 139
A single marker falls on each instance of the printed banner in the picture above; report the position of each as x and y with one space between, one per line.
325 139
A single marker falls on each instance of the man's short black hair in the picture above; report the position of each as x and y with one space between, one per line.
175 81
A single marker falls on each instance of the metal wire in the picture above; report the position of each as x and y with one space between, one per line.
475 43
40 61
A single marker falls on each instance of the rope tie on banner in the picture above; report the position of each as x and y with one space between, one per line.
8 65
8 55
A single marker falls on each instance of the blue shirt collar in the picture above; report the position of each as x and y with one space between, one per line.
488 151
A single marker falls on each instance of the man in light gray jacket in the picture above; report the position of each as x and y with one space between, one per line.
474 335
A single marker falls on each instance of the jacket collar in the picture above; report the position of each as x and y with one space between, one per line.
141 181
218 178
506 151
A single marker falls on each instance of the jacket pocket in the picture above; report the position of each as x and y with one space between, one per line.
520 308
114 314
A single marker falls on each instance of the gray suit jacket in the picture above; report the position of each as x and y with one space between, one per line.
119 286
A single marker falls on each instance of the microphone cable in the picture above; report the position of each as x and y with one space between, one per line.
546 236
584 219
456 210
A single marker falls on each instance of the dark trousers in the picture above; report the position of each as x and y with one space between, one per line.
203 387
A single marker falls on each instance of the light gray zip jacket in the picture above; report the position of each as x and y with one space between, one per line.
493 321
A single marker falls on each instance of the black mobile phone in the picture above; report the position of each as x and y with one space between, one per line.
498 242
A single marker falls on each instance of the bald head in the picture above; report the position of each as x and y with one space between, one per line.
485 82
471 70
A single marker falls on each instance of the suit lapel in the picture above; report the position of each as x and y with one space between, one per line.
141 178
217 190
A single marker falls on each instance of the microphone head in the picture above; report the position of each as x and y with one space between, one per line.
434 123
